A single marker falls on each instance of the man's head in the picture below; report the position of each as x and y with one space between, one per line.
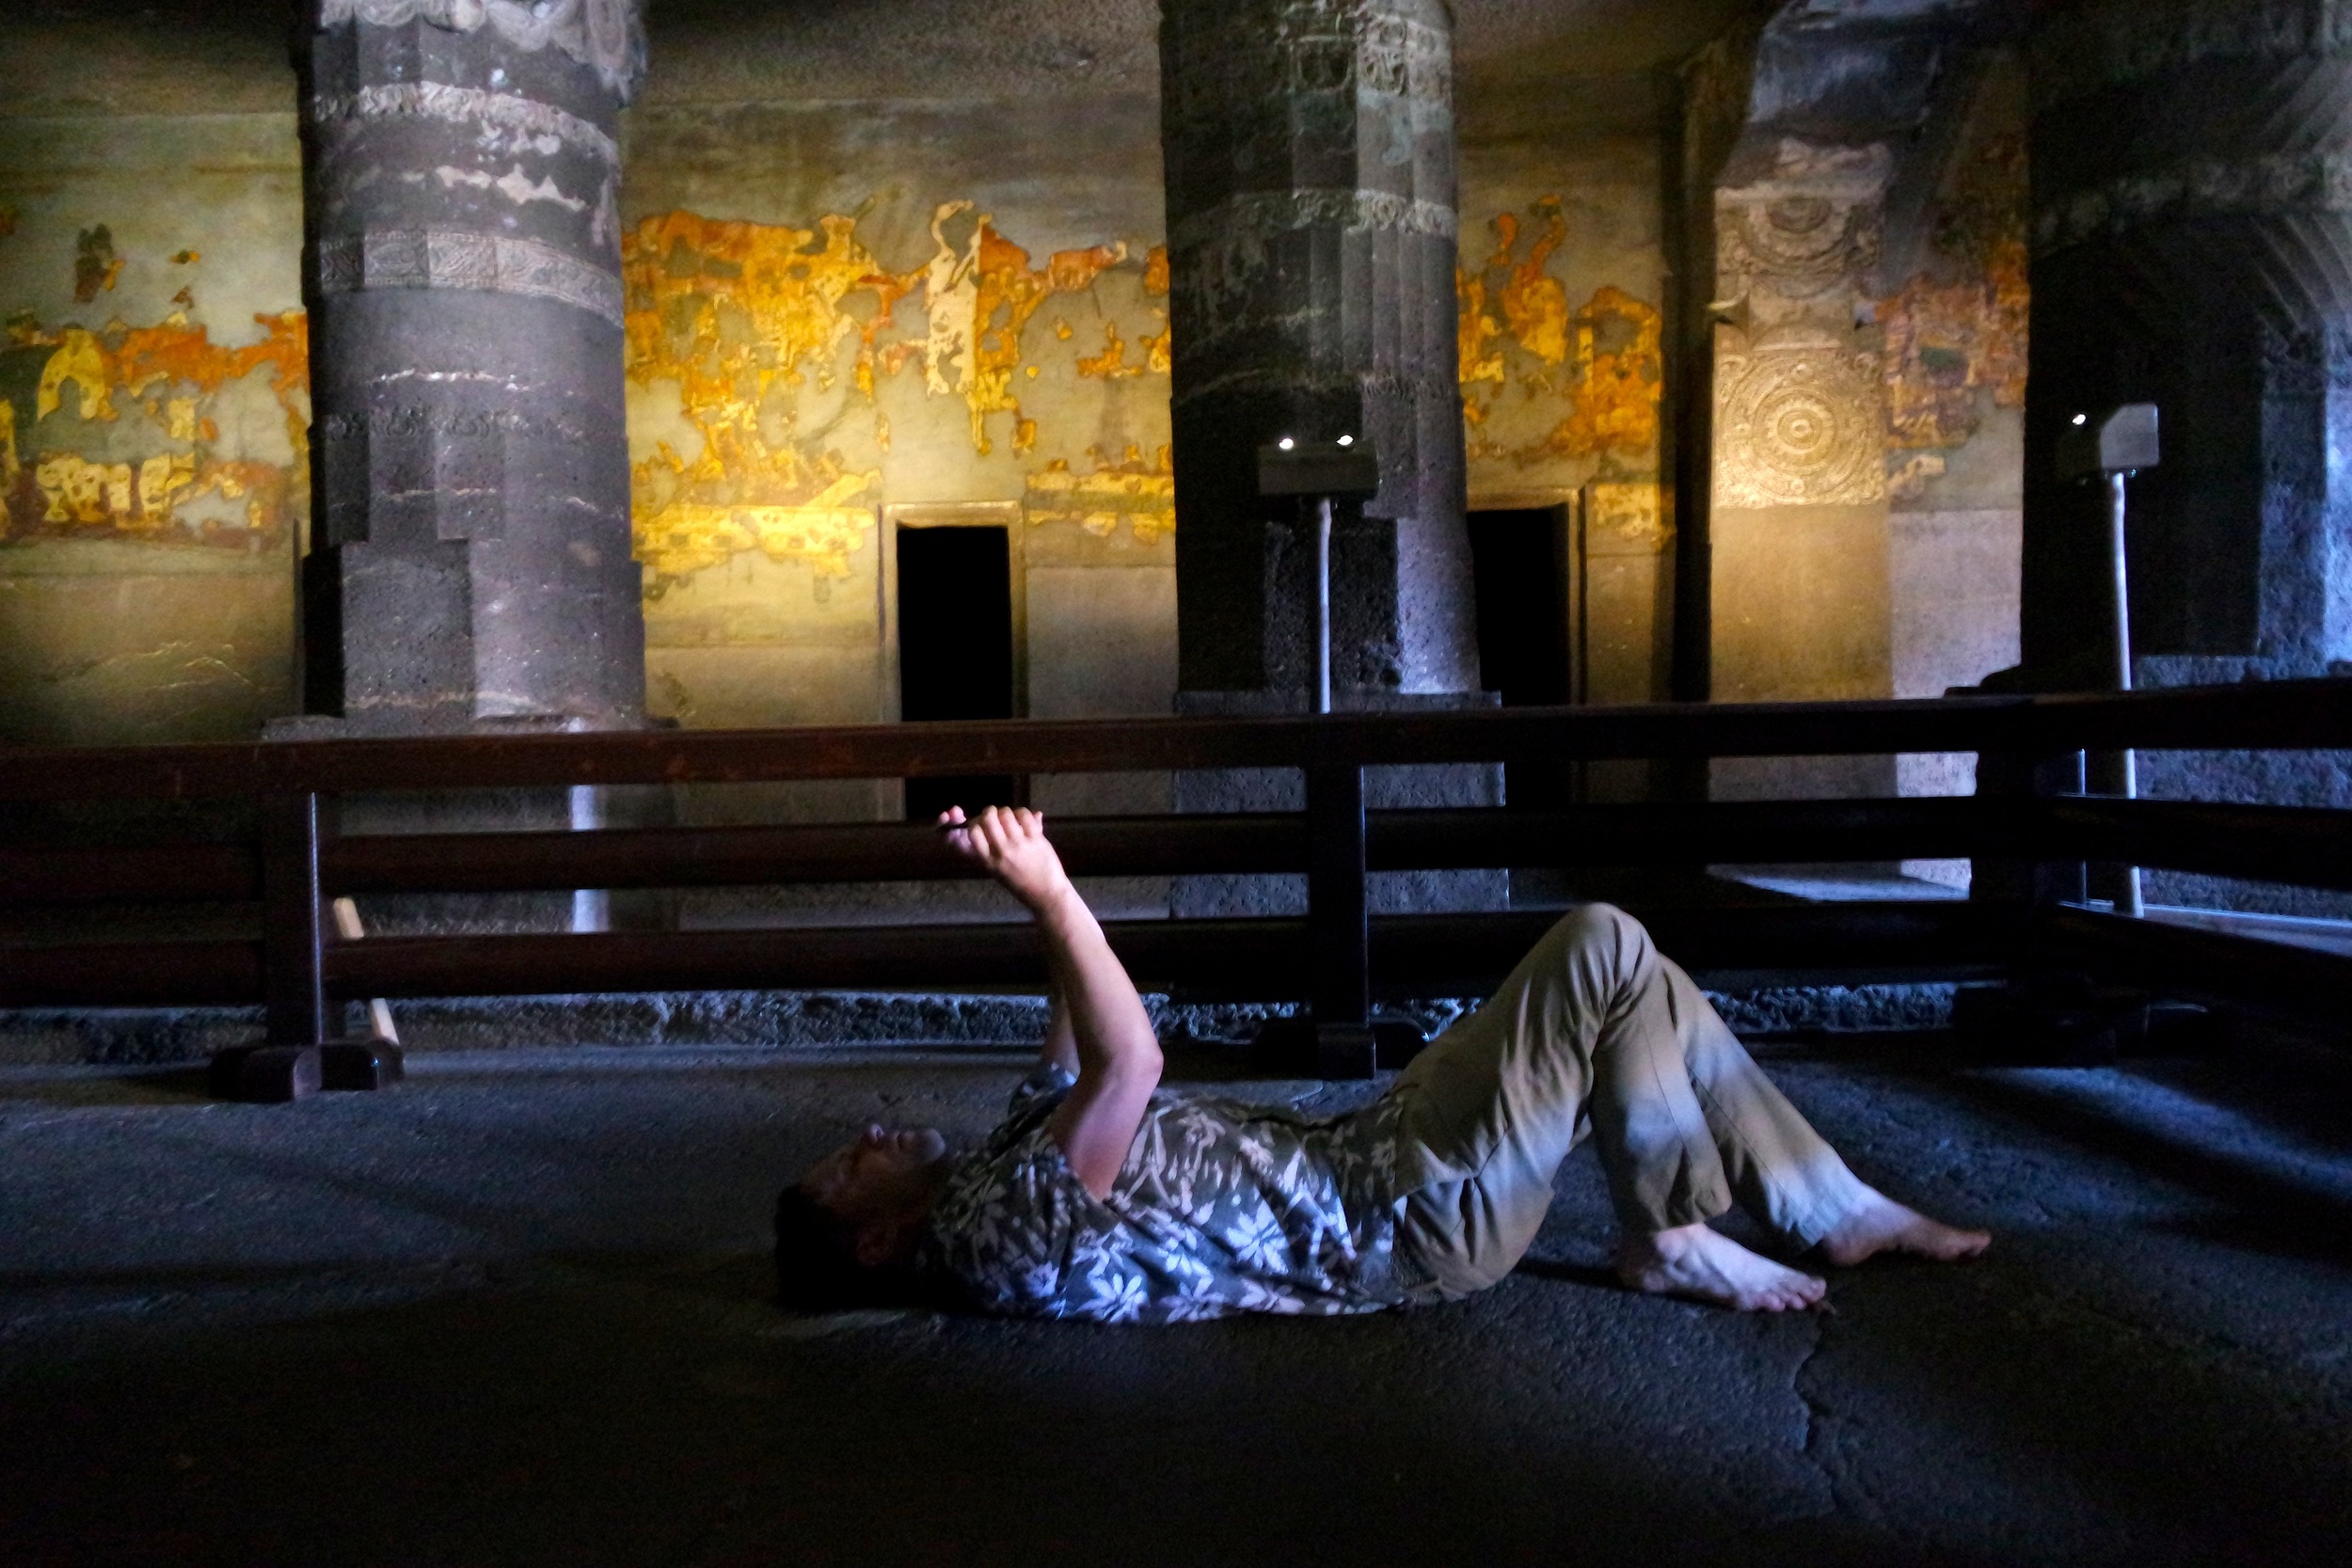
855 1215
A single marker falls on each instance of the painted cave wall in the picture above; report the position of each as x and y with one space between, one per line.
1869 393
848 316
1561 281
846 319
155 466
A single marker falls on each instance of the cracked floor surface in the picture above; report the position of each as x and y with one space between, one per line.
513 1313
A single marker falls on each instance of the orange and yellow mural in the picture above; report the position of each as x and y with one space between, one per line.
117 431
1140 495
777 343
1542 380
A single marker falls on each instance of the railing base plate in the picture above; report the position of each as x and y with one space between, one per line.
361 1064
265 1074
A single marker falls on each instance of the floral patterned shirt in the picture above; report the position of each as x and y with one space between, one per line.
1220 1207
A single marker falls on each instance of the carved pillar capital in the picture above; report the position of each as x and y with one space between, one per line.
606 36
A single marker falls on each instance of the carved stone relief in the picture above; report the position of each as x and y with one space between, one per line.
1262 213
1799 391
1798 425
2111 43
1799 246
2279 184
1241 64
606 36
455 258
507 125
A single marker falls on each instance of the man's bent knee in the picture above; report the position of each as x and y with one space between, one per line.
1604 927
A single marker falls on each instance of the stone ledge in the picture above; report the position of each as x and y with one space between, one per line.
789 1019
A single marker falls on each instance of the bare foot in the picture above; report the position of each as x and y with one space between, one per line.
1882 1224
1699 1263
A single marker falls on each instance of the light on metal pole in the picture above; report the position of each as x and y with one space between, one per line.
1327 470
2110 448
1345 1041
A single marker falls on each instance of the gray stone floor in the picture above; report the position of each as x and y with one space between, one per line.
513 1312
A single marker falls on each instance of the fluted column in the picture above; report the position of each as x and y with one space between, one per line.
2193 249
1311 217
472 562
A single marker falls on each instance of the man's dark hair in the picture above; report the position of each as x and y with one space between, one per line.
816 1266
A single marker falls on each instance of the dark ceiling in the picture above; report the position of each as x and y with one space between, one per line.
190 56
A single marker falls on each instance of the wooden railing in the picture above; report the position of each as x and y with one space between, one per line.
2029 829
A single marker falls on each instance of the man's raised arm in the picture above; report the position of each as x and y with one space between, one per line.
1118 1055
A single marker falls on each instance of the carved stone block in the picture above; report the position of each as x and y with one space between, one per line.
1798 425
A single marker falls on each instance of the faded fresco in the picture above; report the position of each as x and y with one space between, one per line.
799 389
1955 331
1555 387
116 432
1558 283
155 423
774 352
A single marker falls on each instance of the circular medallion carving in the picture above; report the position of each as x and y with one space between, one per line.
1798 429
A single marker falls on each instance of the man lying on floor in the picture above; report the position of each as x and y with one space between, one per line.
1101 1197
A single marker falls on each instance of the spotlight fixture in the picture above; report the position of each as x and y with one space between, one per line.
1286 443
1348 441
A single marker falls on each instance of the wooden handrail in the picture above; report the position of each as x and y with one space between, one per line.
2277 977
2303 846
2280 714
2026 745
154 874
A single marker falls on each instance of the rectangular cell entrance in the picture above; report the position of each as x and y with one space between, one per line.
954 649
1519 571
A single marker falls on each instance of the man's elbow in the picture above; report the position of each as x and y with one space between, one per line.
1139 1061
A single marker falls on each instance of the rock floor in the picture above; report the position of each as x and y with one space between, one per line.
513 1312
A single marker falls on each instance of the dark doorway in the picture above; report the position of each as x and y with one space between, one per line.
1519 561
954 649
1522 606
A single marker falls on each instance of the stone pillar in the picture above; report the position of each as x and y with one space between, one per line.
470 567
2192 247
1310 225
472 560
1798 521
1310 238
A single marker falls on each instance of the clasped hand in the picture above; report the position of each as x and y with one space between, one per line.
1010 841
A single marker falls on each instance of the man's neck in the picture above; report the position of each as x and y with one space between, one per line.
910 1203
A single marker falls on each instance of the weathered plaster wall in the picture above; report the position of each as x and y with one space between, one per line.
1955 321
153 417
1561 278
842 314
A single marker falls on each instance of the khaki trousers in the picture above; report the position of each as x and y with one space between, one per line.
1595 1031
